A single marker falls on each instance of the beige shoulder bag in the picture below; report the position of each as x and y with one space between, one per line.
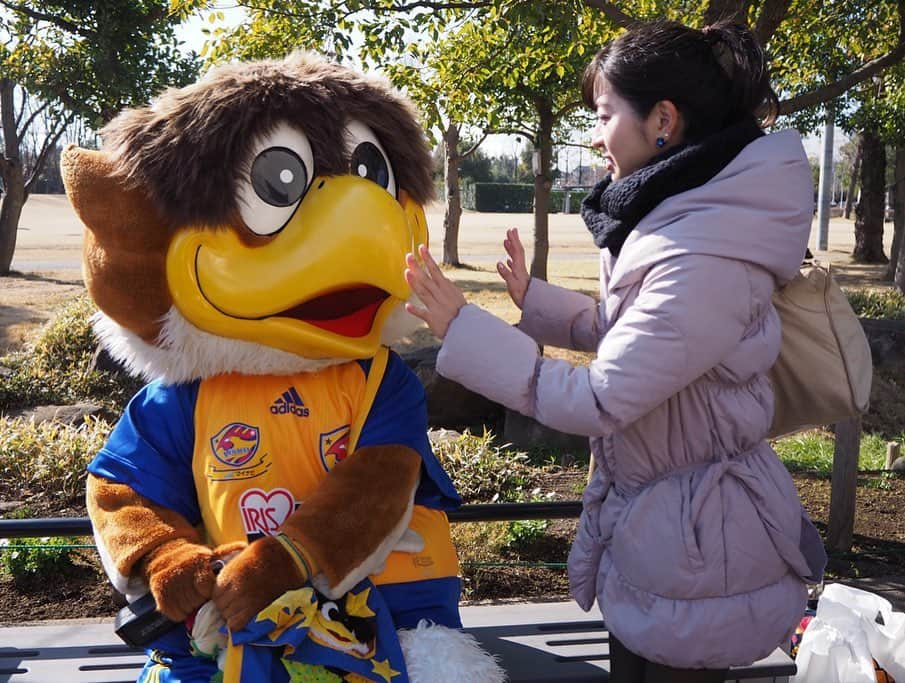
824 370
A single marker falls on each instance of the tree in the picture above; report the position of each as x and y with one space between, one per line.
477 167
869 212
826 49
801 34
64 60
853 178
883 113
452 194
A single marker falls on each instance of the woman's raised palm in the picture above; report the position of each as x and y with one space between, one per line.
514 271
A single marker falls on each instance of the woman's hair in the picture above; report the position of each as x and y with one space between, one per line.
716 76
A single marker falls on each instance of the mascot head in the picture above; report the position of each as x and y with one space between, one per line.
255 221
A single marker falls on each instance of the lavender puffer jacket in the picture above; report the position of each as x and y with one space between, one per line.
692 540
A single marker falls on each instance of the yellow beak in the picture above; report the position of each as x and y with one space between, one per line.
322 287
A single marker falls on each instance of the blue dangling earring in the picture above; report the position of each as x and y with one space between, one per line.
660 142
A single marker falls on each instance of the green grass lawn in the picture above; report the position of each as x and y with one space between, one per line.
812 451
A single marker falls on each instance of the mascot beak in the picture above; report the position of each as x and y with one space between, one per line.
320 287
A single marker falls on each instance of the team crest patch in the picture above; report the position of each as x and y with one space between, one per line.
334 446
236 444
264 511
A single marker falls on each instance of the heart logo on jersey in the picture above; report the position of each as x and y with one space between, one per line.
264 511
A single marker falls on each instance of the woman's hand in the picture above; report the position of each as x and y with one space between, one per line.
514 271
441 299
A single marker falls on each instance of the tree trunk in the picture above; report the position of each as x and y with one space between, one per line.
853 181
543 183
772 14
870 209
898 214
453 197
13 178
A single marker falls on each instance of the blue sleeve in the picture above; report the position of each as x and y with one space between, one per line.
399 416
150 448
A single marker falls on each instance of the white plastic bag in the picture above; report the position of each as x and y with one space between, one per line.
838 644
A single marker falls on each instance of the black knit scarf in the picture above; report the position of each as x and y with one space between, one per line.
613 208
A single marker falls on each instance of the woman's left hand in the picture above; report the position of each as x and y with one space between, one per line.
441 299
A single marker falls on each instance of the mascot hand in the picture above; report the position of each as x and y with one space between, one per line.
253 579
181 576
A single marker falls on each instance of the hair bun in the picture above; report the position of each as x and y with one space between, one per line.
712 35
724 57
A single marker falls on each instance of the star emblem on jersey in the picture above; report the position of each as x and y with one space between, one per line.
334 446
290 403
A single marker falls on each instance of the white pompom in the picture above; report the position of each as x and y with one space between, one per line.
437 654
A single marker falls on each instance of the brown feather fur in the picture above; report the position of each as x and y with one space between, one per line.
125 243
130 525
188 148
365 497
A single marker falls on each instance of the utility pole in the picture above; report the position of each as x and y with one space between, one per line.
825 192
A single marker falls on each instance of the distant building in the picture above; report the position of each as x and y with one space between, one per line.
583 176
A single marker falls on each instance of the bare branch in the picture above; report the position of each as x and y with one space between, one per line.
568 109
772 14
402 6
833 90
613 13
64 24
50 143
524 132
569 143
31 118
474 147
464 4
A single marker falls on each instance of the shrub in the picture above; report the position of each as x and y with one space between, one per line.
34 558
67 340
56 367
484 471
558 200
498 197
480 541
867 303
524 532
49 455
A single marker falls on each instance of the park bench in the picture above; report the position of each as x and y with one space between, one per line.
536 642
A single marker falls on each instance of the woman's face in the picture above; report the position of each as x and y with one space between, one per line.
626 140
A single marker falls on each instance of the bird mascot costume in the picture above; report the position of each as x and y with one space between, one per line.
272 486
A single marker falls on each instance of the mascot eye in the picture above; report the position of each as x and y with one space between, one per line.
367 158
276 177
279 176
329 610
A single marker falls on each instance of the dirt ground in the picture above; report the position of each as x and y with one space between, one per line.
878 551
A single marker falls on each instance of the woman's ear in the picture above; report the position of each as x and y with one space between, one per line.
665 123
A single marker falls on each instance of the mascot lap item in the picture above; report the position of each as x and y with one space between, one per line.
273 485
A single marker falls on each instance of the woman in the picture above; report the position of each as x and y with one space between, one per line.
692 539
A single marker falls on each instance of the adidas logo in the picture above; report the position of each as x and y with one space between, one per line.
290 402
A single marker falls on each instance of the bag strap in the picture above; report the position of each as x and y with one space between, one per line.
375 377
